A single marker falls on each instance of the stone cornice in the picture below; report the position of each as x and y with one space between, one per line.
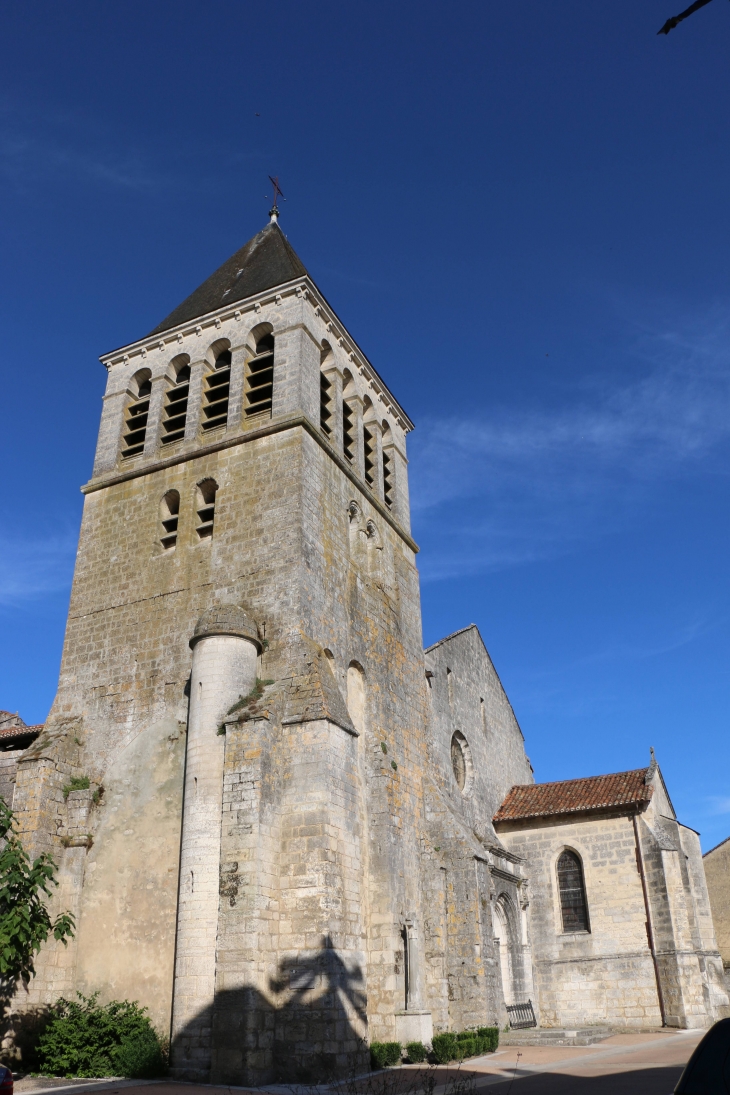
286 422
302 286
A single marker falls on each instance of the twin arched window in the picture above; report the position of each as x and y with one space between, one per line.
205 496
573 905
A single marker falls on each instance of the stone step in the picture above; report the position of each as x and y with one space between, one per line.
551 1036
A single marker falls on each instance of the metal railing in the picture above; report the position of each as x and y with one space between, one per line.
521 1016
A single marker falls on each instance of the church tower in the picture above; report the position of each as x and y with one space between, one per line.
243 689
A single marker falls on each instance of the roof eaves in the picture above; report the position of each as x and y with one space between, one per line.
145 345
705 854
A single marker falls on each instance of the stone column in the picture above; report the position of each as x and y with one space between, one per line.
195 399
225 648
415 1023
160 387
358 456
235 399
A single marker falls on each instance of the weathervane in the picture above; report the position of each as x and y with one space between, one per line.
278 193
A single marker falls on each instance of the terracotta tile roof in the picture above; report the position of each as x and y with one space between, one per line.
13 733
576 796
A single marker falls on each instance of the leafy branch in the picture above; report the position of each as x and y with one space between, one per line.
25 923
676 19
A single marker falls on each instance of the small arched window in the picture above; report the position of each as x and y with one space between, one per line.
387 465
348 431
176 404
573 907
349 426
135 426
205 507
217 392
325 391
169 516
260 377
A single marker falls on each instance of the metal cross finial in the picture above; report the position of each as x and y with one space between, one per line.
278 193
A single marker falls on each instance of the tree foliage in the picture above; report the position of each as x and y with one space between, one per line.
25 923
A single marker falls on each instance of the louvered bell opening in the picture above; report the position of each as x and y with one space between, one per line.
369 446
206 516
217 392
387 479
170 516
260 382
325 400
170 539
176 409
136 428
348 432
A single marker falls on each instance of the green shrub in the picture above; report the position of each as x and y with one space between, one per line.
445 1048
416 1051
86 1039
491 1036
468 1043
466 1046
385 1054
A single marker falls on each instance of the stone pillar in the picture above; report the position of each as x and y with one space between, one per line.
225 648
235 399
415 1024
358 454
195 399
160 386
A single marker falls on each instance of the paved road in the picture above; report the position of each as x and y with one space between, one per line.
625 1064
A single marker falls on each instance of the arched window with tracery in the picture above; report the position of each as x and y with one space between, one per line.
175 413
138 410
573 905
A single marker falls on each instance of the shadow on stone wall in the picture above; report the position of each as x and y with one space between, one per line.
19 1034
302 1030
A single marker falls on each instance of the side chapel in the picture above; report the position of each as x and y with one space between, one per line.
301 831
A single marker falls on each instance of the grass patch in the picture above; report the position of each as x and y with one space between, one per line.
76 783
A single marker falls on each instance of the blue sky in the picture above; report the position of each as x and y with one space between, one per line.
521 213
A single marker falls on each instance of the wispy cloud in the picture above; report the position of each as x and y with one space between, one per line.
34 568
718 805
513 486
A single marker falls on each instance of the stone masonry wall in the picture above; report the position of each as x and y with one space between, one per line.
288 545
604 975
717 871
466 870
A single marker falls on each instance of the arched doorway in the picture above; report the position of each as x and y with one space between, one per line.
510 960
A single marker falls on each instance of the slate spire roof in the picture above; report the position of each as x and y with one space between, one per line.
265 261
578 796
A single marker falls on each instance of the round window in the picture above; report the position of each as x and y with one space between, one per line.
461 761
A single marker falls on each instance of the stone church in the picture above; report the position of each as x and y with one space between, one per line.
281 824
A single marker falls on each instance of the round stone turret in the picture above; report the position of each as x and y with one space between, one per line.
227 620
